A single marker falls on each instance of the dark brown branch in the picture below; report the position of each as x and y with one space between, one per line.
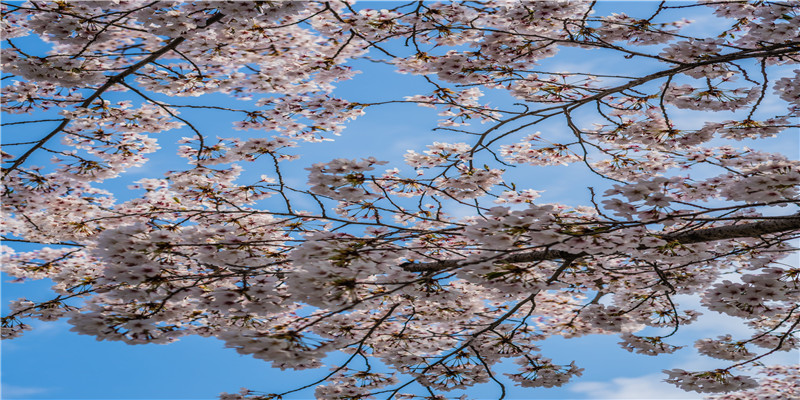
753 229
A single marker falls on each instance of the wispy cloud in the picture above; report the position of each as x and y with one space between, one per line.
12 392
647 387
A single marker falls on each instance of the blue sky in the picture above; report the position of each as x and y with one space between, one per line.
51 362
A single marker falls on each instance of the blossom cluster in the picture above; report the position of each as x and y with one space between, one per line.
709 381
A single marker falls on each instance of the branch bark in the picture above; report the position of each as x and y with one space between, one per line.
753 229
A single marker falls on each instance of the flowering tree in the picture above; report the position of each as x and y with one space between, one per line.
380 268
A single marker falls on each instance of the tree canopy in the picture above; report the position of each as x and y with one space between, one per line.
429 273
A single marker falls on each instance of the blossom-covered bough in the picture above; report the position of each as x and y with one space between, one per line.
380 268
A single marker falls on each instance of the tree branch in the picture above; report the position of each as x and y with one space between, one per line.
110 82
754 229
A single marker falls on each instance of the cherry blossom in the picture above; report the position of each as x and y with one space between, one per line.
442 265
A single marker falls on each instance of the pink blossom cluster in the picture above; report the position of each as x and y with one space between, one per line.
541 372
776 382
648 345
757 295
709 381
723 348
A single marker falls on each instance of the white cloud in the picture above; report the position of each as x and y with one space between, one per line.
11 391
648 387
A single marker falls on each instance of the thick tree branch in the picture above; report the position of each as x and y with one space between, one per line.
754 229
